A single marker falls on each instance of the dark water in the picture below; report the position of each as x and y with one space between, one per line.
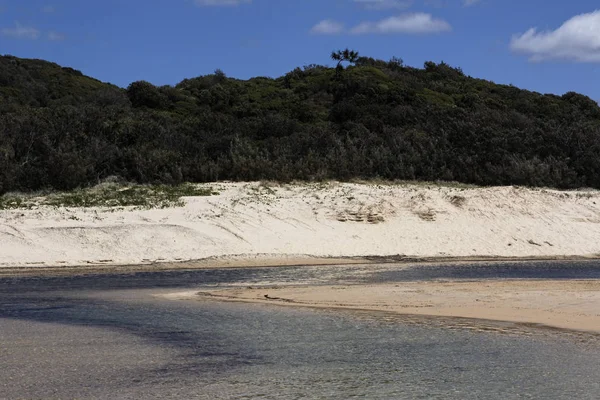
303 275
106 336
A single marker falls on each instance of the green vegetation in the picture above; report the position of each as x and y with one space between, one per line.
341 56
109 195
60 130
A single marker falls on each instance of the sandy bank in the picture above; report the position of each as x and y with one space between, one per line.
252 221
573 305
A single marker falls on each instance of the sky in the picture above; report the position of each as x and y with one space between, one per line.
548 46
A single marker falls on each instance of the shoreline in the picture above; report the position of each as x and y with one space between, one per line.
572 305
471 323
269 261
564 305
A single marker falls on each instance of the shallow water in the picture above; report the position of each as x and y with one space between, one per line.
346 274
88 337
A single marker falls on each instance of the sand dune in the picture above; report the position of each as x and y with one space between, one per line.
249 220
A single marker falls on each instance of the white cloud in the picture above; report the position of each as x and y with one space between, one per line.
328 27
578 39
21 32
56 36
413 23
220 3
48 9
384 4
469 3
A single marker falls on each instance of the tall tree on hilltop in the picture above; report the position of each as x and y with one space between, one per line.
346 55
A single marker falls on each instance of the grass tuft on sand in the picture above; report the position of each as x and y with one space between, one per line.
109 195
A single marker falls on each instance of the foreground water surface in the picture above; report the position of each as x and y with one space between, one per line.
108 336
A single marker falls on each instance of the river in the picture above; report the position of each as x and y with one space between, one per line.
110 337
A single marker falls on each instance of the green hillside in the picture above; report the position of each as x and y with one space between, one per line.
39 83
372 119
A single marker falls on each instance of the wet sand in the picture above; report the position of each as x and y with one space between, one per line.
572 305
266 261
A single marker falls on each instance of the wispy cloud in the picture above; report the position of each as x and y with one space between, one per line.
48 9
328 27
469 3
220 3
578 39
56 36
21 32
384 4
411 23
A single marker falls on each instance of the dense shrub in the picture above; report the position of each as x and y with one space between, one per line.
62 130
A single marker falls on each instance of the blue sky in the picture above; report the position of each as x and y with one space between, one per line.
548 46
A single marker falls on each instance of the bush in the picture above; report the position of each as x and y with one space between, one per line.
61 130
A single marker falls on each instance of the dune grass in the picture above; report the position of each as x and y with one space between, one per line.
110 196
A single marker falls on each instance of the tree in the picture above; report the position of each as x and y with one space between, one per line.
144 94
395 63
220 76
346 55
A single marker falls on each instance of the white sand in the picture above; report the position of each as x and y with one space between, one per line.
248 220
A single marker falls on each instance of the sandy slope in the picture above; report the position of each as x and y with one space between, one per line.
573 305
250 219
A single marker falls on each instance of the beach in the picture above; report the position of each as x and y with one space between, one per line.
257 224
260 223
572 305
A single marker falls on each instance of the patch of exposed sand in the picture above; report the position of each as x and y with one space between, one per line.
573 305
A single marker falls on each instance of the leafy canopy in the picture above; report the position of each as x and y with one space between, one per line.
346 55
378 119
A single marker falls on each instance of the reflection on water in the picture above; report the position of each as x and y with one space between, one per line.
128 344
